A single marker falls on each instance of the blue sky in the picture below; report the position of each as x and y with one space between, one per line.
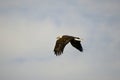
28 31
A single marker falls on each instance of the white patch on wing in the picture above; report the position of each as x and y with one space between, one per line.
77 39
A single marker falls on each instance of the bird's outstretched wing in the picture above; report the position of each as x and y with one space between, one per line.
60 45
77 45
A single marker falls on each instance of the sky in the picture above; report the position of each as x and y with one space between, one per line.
28 31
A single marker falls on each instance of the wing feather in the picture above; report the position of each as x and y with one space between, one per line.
77 45
60 44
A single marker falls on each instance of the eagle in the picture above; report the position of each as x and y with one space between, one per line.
63 40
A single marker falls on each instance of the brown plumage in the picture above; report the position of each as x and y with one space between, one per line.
63 41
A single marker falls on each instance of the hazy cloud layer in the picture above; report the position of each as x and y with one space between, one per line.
28 31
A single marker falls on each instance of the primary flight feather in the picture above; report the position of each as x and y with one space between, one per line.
62 41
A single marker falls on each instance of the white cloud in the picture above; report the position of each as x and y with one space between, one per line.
27 40
102 8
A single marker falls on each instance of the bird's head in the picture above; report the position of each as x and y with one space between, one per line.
59 37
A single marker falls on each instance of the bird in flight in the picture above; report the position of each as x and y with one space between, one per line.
62 41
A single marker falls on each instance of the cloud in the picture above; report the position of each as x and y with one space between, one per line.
106 7
28 31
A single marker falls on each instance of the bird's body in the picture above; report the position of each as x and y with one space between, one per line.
62 41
